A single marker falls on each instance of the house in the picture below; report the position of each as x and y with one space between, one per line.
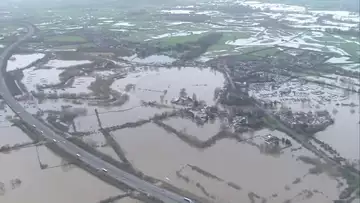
270 139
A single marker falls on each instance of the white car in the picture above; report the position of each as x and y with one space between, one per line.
188 200
54 140
104 170
42 132
78 156
34 126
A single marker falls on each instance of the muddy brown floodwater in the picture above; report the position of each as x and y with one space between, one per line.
343 135
225 171
150 85
201 132
243 169
160 154
109 118
56 185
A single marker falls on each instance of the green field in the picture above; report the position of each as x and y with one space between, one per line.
352 49
180 39
75 46
266 52
65 38
229 36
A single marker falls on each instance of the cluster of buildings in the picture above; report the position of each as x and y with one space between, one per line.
197 110
308 122
273 140
239 123
242 123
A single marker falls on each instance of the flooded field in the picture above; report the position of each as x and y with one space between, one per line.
196 94
151 59
150 85
49 185
201 132
313 97
38 77
110 118
21 61
12 135
150 147
335 135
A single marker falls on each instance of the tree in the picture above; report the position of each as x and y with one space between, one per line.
287 142
2 188
194 98
217 92
223 126
15 183
162 98
43 166
183 92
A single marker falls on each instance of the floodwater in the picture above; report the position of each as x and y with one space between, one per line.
55 185
80 85
178 11
116 117
339 60
158 59
68 63
12 135
4 115
264 37
201 132
122 23
21 61
59 184
161 154
150 85
33 77
178 34
343 135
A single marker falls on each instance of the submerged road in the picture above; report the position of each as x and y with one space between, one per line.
89 159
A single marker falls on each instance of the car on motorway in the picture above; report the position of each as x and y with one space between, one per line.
188 200
78 156
54 140
104 170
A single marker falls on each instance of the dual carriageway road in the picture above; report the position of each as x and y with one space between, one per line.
86 158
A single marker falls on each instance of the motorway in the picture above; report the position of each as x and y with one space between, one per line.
89 159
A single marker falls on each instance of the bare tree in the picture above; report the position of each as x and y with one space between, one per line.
183 92
2 189
194 98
